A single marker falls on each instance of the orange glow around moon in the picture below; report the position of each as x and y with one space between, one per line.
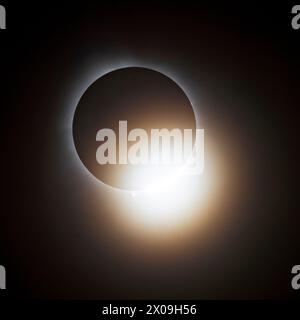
170 202
179 204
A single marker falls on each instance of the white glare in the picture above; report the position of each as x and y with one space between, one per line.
167 201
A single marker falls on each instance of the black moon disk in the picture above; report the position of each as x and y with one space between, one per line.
143 97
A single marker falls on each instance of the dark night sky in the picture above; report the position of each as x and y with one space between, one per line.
241 61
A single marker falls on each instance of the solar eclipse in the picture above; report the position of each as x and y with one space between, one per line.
159 173
74 228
